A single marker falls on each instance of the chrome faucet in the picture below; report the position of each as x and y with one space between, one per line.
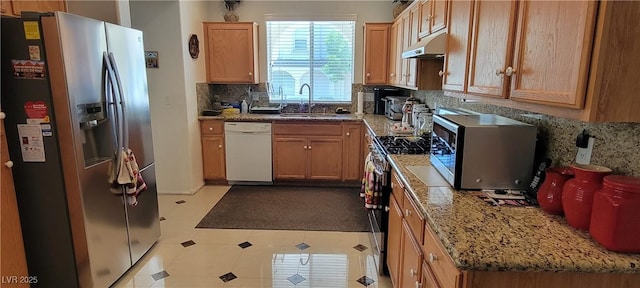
309 105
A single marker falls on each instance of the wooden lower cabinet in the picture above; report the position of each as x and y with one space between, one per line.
352 159
213 153
427 279
324 158
394 241
318 158
213 158
290 157
411 258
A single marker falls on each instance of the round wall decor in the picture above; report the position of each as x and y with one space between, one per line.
194 46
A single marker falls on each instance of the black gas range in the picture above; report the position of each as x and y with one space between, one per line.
404 145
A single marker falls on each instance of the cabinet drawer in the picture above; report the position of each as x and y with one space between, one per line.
306 129
439 261
397 190
413 217
211 127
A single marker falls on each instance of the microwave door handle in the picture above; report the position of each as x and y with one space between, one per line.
123 107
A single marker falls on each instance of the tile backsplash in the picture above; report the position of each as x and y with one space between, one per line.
617 145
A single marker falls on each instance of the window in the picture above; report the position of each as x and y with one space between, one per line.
317 53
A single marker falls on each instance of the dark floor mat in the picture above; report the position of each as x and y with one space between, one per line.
289 208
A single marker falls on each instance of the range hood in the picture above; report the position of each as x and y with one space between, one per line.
428 47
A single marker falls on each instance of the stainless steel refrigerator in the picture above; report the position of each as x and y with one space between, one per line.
74 91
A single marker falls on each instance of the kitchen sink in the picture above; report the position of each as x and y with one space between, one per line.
308 115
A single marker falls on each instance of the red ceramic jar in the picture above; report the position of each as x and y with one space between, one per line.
550 193
615 219
577 193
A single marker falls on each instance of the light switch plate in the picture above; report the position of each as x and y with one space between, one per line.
584 154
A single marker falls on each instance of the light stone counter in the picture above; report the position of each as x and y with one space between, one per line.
479 236
283 117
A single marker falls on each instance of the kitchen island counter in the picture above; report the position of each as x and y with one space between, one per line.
481 237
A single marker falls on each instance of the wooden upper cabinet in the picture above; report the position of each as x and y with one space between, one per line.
394 53
491 47
231 52
15 7
376 53
412 64
456 60
433 16
552 52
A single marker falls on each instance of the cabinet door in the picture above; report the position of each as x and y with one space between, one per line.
455 63
6 8
552 52
438 15
412 70
400 63
424 28
290 158
411 264
14 262
213 157
406 38
428 280
376 53
325 158
394 241
491 47
38 6
394 56
352 152
230 52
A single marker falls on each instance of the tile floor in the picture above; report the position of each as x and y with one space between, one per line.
189 257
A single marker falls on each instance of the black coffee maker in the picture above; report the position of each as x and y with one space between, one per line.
379 93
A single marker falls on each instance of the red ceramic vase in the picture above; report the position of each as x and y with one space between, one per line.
577 193
550 192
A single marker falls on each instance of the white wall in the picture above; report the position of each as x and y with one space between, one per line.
112 11
192 14
255 10
160 23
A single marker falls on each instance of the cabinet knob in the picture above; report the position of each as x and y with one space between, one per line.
413 272
510 71
309 147
418 284
432 257
392 74
407 212
8 163
210 128
304 147
250 73
2 115
220 146
348 133
368 74
440 73
427 18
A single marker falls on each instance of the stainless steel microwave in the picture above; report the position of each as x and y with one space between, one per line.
484 151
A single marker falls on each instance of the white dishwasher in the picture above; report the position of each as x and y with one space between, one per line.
248 152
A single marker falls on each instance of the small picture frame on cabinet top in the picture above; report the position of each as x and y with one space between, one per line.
151 59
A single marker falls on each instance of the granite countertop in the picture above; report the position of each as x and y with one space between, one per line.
479 236
284 117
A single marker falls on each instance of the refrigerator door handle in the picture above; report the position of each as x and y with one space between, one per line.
123 107
110 103
117 113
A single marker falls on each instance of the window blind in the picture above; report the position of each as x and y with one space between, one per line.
317 53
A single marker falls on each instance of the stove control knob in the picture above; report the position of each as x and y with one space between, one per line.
478 180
